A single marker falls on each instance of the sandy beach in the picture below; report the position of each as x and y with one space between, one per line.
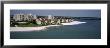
42 27
30 28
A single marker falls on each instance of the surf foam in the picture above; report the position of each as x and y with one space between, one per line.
73 23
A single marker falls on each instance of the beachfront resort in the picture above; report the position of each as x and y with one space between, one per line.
29 22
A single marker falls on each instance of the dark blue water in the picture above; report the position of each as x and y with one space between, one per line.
89 30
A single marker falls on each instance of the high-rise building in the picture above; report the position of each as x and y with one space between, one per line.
23 17
50 17
34 16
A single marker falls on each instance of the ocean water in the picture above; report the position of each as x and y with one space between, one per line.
89 30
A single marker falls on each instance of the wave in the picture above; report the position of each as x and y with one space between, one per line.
73 23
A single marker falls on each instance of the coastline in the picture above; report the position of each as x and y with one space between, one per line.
42 27
30 28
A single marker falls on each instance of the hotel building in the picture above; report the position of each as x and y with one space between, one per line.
24 17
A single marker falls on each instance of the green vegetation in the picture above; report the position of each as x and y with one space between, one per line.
35 23
27 25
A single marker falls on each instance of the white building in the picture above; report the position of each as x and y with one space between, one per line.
34 17
23 17
50 17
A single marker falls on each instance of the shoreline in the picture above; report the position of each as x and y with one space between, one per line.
73 23
42 27
31 28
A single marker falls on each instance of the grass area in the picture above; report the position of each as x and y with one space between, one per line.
28 25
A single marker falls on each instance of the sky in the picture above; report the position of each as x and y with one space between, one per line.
59 12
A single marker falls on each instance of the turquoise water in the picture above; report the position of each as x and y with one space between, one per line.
89 30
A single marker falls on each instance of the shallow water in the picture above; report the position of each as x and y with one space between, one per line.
89 30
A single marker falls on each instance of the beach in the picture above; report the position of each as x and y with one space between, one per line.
30 28
42 27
